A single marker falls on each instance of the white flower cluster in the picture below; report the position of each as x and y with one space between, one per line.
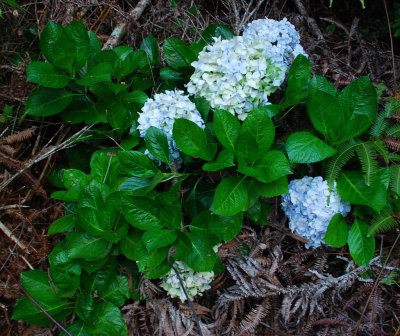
239 74
236 75
310 205
279 36
161 112
195 282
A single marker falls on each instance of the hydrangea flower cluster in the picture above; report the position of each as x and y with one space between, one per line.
310 205
161 112
236 75
195 282
280 36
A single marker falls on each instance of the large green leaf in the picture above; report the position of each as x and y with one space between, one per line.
117 290
158 238
107 320
150 46
46 74
83 245
77 33
137 164
226 127
299 73
63 224
337 232
361 247
202 258
37 284
128 60
44 102
192 140
104 165
304 147
216 30
177 53
224 160
50 34
352 188
231 196
149 259
77 328
129 244
141 212
157 144
272 189
99 73
270 167
227 227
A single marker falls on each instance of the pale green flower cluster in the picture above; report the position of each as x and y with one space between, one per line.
195 282
236 75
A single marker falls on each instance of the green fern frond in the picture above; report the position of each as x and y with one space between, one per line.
393 131
382 222
366 153
344 153
394 184
380 124
381 149
394 157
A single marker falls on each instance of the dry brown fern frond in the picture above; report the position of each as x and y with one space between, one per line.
252 320
392 144
8 150
361 294
19 137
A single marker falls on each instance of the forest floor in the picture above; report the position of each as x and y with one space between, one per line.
311 292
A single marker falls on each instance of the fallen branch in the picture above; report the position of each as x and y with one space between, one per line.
9 234
310 20
120 30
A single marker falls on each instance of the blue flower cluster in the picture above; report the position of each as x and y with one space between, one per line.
310 205
241 73
280 37
161 112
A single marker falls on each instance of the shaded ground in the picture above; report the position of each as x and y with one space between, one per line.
270 289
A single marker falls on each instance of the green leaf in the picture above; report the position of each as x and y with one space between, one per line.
361 247
224 160
157 144
149 259
230 196
83 245
203 106
158 238
259 127
177 53
170 75
352 188
50 34
395 178
150 46
202 258
171 217
137 164
137 97
299 73
216 30
227 128
77 328
158 271
337 232
74 181
272 189
128 60
107 320
141 212
135 186
270 167
99 73
227 227
45 102
104 166
129 244
37 284
46 74
304 147
117 290
63 224
192 140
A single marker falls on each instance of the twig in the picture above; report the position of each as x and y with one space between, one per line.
9 234
309 19
391 46
375 286
120 30
172 251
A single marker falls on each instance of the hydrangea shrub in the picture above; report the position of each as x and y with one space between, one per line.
310 205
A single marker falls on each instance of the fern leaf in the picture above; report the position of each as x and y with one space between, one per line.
382 150
345 152
382 222
394 157
394 184
380 125
393 131
369 165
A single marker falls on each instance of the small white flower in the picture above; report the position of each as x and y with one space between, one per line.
195 282
161 112
310 205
